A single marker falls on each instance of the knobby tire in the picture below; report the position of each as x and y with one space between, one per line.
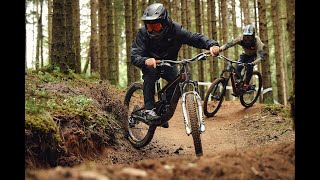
216 83
151 129
194 122
255 98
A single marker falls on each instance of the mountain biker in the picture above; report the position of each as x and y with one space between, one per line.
162 38
253 51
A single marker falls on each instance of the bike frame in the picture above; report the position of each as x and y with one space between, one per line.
232 72
180 83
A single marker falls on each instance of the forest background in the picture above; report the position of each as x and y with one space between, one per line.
93 37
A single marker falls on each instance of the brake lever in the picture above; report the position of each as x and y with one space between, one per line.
164 64
203 57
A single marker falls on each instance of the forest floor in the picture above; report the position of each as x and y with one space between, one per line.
239 143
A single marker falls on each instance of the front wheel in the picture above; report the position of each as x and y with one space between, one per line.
214 97
251 96
138 133
192 107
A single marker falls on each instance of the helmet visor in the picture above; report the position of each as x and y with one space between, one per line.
154 27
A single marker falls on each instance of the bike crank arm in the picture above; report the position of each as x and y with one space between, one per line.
185 114
142 119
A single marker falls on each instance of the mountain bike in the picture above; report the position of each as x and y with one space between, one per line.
140 131
217 90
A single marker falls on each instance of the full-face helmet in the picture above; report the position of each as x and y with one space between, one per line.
156 20
249 34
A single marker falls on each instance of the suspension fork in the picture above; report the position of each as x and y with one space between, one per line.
233 83
184 109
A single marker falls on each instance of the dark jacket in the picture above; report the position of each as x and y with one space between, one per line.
168 47
256 49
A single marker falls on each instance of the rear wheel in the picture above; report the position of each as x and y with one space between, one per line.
214 97
192 107
248 98
138 133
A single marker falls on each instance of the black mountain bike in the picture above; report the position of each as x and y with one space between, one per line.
217 90
140 131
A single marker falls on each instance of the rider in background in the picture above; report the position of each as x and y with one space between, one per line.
162 38
253 51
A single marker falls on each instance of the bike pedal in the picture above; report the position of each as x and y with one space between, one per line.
249 92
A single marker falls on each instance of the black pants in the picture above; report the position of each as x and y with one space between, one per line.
150 76
244 58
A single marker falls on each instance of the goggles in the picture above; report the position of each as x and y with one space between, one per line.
248 38
154 27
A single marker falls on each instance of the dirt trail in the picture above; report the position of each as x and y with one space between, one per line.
219 136
236 145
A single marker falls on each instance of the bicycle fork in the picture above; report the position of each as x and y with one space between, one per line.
185 114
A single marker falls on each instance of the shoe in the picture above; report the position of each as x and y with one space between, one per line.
249 87
151 115
165 125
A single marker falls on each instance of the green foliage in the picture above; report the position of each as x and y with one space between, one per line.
47 77
43 123
277 109
33 106
79 103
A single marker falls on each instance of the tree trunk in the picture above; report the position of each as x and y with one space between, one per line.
49 30
184 24
38 36
76 35
197 10
110 43
70 46
94 59
263 34
102 18
214 65
41 34
135 23
117 37
246 11
225 36
291 36
189 27
128 32
58 36
234 29
278 59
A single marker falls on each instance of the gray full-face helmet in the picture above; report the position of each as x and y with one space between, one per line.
249 35
156 20
248 30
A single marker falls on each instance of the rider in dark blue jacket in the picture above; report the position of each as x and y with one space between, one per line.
162 38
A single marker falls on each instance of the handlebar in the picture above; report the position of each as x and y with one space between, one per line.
236 62
199 57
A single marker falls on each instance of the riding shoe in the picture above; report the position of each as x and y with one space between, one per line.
249 87
151 115
165 125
